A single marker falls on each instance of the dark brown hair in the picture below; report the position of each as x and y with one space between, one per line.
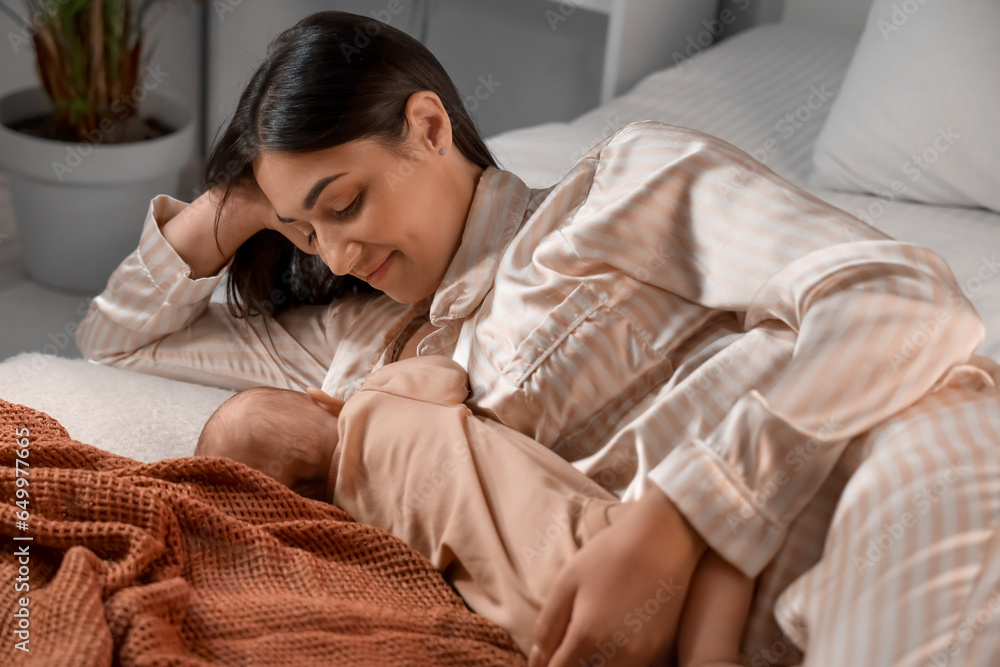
332 78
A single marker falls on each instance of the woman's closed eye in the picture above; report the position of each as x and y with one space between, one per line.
342 214
351 209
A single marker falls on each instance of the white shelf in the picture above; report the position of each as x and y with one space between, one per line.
642 35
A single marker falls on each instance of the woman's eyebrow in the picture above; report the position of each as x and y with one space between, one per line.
313 194
317 188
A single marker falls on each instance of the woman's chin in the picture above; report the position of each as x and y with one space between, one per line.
405 293
405 298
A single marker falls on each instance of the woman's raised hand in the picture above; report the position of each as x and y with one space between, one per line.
620 597
247 209
191 233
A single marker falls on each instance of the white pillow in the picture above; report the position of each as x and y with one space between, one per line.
918 113
144 417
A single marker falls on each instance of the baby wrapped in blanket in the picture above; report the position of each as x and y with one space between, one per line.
497 513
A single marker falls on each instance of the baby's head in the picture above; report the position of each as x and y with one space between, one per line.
288 435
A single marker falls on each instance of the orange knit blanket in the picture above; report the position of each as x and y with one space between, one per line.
204 561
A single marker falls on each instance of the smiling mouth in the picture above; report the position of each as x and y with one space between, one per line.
365 276
378 272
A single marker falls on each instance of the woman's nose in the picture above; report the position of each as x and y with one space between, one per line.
340 256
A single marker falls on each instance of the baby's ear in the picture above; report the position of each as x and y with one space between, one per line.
325 401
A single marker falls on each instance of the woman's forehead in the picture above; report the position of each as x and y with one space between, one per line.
274 165
347 157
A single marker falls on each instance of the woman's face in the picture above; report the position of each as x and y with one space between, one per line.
392 222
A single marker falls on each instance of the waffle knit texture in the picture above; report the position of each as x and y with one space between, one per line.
206 561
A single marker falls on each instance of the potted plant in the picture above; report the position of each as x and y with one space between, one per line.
82 161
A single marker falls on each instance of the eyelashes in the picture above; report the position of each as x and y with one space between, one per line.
351 209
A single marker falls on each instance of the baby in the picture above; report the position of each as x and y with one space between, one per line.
501 538
282 433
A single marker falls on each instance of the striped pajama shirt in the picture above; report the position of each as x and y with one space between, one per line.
672 313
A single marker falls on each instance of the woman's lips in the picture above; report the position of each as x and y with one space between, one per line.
380 272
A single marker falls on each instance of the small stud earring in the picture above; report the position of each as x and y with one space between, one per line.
442 151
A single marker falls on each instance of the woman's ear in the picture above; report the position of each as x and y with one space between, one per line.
426 114
325 401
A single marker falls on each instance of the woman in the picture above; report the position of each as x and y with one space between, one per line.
761 373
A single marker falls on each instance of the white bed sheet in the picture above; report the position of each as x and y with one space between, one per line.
774 82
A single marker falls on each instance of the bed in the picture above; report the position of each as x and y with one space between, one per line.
770 90
742 90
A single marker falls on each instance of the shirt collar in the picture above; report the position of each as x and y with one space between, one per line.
497 212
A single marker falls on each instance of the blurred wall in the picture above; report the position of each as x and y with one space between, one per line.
847 15
536 73
745 14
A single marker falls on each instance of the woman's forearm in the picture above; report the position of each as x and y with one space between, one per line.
191 232
714 614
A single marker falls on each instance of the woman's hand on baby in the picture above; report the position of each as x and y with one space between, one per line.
620 597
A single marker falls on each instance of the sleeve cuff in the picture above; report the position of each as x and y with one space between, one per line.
166 270
718 506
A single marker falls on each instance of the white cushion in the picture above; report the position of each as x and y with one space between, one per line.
144 417
916 115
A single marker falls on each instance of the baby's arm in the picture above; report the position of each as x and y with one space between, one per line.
714 614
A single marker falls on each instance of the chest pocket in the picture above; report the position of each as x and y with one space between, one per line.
579 369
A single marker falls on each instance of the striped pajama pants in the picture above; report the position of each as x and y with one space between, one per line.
904 541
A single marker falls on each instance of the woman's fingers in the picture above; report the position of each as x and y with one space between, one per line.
553 619
325 401
575 649
618 600
291 232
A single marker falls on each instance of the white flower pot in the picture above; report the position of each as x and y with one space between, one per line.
79 207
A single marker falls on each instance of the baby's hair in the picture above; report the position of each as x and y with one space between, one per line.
281 433
269 401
